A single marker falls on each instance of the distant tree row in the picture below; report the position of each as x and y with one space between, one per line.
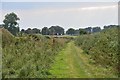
87 30
111 26
53 30
11 24
80 31
57 30
31 31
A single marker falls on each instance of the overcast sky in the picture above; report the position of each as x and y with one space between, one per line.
65 14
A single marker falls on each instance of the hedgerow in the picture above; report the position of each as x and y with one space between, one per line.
102 47
30 56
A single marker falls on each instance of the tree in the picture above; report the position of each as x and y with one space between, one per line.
52 31
23 31
110 26
35 31
70 31
88 30
28 31
10 23
45 31
82 31
56 30
96 29
31 31
77 32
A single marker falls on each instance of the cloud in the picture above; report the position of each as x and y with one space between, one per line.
67 16
99 8
62 10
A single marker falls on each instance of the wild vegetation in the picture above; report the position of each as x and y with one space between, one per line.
72 62
29 56
102 48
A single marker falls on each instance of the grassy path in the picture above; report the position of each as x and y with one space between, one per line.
68 64
72 63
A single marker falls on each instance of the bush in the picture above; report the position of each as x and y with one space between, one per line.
102 47
30 56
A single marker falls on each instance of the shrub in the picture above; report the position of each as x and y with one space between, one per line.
30 56
102 47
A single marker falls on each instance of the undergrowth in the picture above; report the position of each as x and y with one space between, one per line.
102 47
30 56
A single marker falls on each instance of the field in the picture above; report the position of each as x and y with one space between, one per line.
37 56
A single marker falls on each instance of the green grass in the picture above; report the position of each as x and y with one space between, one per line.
102 48
29 56
71 62
67 65
94 71
60 68
38 56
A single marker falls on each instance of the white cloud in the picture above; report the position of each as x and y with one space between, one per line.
67 17
101 7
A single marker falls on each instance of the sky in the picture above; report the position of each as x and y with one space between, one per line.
59 0
65 14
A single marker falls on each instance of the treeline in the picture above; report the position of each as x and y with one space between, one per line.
11 24
57 30
53 30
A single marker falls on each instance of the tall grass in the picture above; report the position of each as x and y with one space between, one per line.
102 48
30 56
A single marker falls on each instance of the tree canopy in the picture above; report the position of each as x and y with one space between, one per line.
56 30
45 31
70 31
82 31
53 30
10 23
31 31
